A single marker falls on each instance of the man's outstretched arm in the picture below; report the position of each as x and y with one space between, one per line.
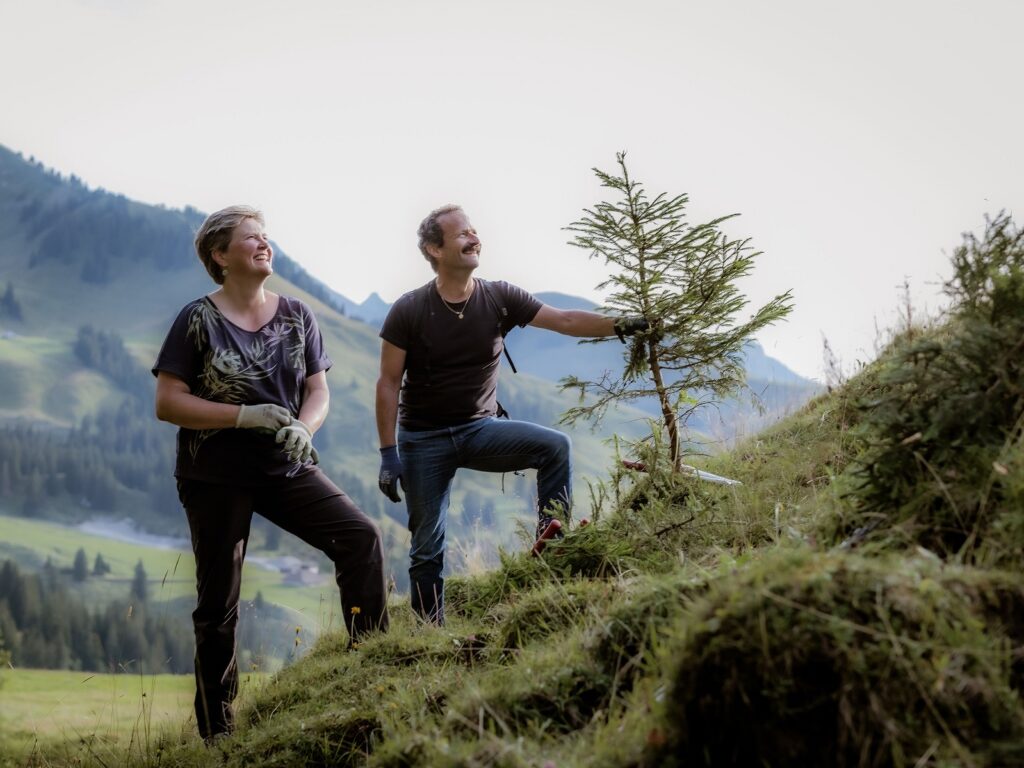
576 322
573 322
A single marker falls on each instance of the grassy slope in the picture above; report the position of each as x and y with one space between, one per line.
708 608
32 391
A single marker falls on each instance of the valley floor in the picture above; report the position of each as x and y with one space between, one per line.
42 706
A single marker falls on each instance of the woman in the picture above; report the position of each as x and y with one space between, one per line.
242 372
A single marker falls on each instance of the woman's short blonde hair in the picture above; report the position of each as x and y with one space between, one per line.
215 235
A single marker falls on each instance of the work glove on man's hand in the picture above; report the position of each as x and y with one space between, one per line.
390 472
263 416
297 442
627 326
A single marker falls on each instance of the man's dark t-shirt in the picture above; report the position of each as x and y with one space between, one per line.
451 365
226 364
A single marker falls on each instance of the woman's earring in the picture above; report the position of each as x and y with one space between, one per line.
224 272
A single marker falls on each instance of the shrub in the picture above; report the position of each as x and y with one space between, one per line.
944 424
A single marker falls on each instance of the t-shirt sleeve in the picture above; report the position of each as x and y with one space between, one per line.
522 306
179 355
316 356
397 323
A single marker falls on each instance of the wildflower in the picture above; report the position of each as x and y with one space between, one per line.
356 609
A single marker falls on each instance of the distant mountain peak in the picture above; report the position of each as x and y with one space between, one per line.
375 301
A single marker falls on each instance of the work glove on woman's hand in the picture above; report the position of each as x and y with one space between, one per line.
297 442
390 472
263 416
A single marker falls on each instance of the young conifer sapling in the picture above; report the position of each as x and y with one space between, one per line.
683 279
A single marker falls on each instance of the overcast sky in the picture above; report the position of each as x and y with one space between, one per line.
858 140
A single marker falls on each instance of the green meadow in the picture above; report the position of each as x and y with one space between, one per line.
40 708
171 572
46 705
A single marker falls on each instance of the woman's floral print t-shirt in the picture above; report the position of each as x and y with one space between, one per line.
226 364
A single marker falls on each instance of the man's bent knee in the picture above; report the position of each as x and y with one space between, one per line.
563 445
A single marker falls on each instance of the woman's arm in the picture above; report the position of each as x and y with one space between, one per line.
316 401
176 403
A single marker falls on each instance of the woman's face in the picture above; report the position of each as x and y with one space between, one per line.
249 253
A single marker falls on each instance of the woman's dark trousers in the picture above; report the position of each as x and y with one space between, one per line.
309 506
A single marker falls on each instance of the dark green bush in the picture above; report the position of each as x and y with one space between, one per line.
945 419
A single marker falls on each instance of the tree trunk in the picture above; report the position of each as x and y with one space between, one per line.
668 414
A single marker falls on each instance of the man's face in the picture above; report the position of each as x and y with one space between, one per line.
460 249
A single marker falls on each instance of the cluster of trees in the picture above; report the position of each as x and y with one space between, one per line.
100 567
104 232
44 625
476 508
104 351
118 460
300 278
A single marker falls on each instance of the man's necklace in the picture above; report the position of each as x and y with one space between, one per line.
457 312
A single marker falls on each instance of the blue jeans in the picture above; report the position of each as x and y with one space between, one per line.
430 459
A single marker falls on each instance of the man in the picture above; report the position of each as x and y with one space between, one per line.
446 339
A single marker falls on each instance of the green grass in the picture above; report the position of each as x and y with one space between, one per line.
50 705
68 713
